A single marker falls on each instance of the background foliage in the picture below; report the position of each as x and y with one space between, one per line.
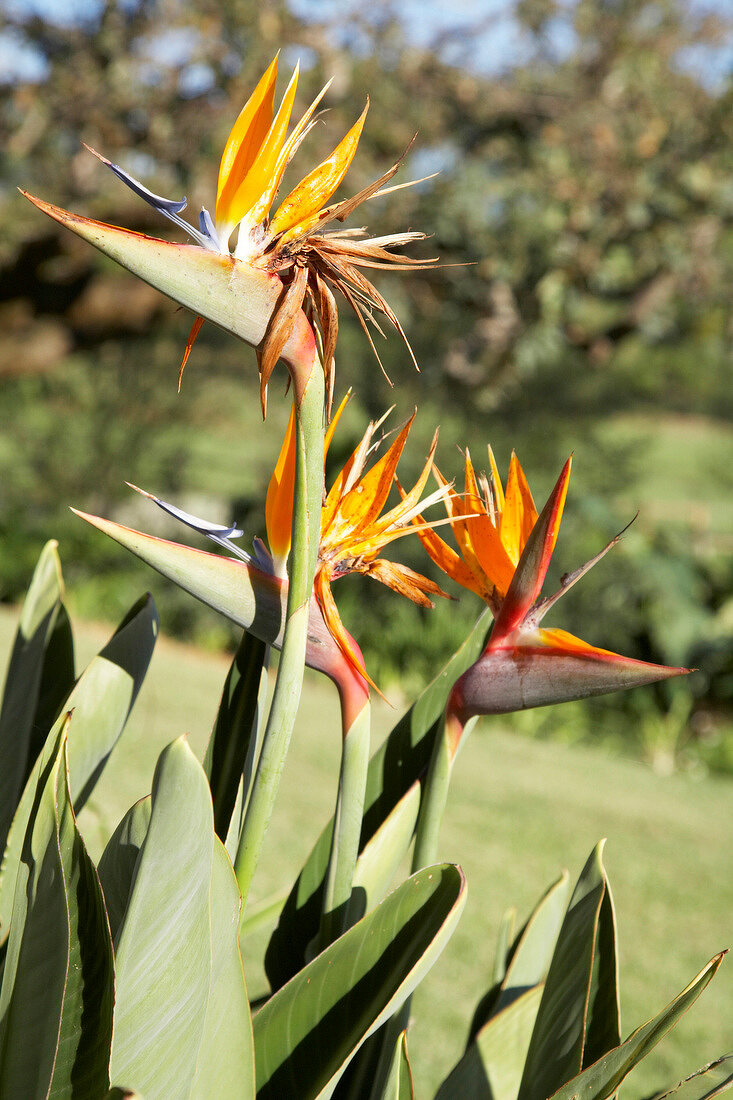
584 212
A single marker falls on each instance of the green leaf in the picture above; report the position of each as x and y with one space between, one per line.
601 1080
119 859
523 963
603 1026
58 987
491 1068
57 682
383 853
504 940
177 952
40 674
393 770
308 1031
232 750
227 1012
100 704
556 1049
712 1080
532 952
504 946
399 1084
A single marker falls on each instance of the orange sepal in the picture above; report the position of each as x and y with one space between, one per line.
534 561
300 211
252 191
192 336
244 142
280 493
519 514
339 633
563 642
364 502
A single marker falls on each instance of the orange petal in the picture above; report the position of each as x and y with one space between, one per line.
485 542
410 500
245 141
195 330
405 581
298 213
279 502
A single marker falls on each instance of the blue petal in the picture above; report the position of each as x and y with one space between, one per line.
169 208
214 531
208 228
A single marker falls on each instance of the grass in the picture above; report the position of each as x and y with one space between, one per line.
519 811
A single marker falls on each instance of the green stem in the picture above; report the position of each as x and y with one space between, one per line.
451 734
336 917
301 569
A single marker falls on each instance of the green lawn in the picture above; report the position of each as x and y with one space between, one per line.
519 811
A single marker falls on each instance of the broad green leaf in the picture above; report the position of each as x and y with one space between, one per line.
232 750
603 1026
491 1068
556 1049
710 1081
179 973
504 939
487 1005
40 674
601 1080
58 986
383 853
399 1084
218 1073
57 682
308 1031
100 704
532 952
260 914
395 767
523 963
119 859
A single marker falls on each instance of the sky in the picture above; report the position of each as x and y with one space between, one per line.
498 48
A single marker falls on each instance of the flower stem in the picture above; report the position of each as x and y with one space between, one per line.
336 916
435 790
286 695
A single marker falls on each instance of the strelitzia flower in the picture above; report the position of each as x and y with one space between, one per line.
292 243
505 551
353 529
